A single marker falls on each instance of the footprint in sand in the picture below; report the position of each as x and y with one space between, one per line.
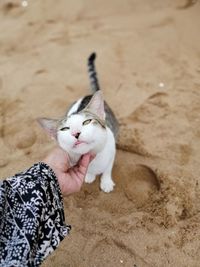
139 184
136 188
137 181
130 138
17 133
20 135
4 160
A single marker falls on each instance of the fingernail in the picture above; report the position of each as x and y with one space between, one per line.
92 156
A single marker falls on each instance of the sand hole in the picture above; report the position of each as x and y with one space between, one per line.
9 6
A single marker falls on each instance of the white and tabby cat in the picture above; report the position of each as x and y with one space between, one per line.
88 126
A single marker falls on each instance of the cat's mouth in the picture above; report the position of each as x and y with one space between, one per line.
78 142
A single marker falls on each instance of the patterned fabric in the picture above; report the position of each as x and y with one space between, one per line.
32 222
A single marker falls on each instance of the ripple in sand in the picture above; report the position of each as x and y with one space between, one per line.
105 252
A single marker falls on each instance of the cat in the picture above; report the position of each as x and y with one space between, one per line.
88 126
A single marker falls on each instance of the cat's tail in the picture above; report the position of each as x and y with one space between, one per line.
94 84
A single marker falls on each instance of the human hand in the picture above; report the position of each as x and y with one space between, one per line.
70 178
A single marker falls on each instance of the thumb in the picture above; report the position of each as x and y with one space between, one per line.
84 162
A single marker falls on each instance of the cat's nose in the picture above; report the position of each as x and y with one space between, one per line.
76 134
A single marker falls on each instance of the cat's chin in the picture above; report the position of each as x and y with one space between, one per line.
81 149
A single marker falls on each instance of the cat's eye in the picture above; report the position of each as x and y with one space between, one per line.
64 128
87 122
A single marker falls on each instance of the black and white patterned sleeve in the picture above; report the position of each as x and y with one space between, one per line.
32 222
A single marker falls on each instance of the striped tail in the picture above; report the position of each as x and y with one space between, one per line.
92 73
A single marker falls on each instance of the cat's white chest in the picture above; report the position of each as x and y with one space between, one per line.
104 157
102 164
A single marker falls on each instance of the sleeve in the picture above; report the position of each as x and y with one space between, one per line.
32 222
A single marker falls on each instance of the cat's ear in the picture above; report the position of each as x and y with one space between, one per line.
96 105
49 125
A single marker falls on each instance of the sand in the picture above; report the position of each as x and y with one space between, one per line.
149 69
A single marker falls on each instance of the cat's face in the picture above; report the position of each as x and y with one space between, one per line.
81 132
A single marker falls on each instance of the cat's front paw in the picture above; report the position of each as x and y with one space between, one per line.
107 185
89 178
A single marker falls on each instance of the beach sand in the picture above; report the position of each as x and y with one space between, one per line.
149 70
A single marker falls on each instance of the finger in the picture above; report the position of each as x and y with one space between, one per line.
92 156
83 163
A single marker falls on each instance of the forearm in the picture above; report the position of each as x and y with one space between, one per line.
32 217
